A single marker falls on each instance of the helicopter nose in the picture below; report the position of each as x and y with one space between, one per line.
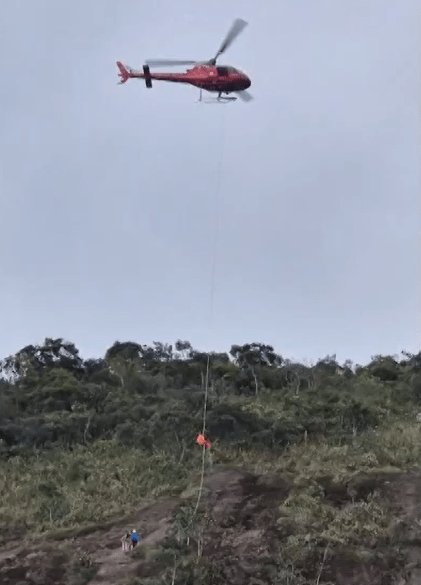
247 82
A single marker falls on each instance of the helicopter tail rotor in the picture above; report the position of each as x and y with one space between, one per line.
147 76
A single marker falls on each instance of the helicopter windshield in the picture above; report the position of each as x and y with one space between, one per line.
226 69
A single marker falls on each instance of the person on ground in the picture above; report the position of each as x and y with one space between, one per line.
125 542
134 537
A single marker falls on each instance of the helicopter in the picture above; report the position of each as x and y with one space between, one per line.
206 75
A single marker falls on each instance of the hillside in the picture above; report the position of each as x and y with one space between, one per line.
312 476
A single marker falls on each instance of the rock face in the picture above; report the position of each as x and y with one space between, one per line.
240 541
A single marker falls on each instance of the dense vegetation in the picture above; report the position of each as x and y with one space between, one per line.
82 440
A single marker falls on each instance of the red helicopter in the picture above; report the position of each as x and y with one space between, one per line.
207 75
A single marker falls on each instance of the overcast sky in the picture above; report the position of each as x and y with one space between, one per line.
117 200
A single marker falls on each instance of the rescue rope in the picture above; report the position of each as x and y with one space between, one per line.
202 475
217 217
419 146
212 297
213 271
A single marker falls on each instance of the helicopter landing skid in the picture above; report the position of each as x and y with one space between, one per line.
218 100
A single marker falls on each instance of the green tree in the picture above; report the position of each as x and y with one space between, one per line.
52 353
253 357
385 368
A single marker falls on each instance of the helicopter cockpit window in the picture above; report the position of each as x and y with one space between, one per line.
226 70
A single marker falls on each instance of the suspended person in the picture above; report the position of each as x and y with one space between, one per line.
202 442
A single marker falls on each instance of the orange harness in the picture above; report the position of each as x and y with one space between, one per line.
200 440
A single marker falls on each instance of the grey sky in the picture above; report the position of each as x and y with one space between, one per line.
109 194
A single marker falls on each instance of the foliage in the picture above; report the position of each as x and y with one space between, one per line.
84 440
68 488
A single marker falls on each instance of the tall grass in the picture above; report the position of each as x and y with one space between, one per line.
396 446
310 524
63 488
69 488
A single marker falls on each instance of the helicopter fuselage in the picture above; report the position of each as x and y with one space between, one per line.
219 78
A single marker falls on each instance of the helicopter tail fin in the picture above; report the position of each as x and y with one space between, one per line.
124 73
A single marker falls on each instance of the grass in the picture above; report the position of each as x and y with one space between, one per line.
396 446
310 524
68 489
78 490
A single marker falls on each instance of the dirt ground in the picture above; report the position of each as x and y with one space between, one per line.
241 539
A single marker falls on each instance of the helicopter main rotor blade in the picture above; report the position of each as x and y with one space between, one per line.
167 62
244 95
237 27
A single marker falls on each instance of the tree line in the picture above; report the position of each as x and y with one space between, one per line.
143 395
